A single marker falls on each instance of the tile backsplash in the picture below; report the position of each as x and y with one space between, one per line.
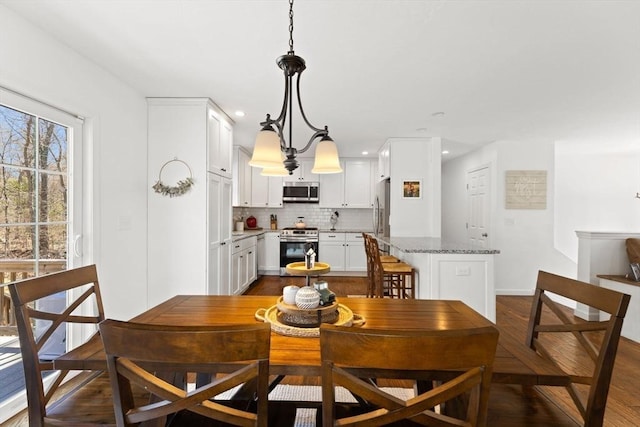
314 216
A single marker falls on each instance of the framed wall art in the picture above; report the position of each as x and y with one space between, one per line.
526 189
411 189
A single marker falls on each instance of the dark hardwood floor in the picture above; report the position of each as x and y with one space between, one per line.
512 312
623 405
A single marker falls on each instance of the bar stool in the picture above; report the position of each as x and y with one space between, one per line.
399 280
393 278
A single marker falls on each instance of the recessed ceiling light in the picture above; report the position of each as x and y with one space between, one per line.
445 151
364 153
239 113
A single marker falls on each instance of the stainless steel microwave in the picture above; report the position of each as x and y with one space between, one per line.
301 192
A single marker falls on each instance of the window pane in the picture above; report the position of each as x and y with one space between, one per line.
53 198
18 135
53 146
16 198
16 242
53 241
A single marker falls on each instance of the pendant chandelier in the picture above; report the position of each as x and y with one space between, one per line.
271 151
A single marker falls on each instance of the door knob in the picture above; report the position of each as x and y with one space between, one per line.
485 235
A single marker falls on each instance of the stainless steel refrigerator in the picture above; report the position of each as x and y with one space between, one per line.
381 208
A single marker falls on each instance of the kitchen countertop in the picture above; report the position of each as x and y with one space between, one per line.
433 245
240 235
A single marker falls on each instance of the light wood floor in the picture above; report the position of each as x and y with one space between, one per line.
623 405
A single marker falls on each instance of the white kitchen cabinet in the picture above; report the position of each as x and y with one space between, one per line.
243 264
332 250
350 189
219 141
303 172
355 256
343 251
269 253
266 191
242 174
219 226
384 170
188 236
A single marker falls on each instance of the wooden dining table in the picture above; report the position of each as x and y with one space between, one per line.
294 355
290 355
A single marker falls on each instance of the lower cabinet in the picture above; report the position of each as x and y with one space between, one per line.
343 251
269 253
244 265
355 255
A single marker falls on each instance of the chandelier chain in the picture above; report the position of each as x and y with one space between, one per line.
291 26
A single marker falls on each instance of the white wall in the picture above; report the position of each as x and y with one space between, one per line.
590 186
411 160
595 188
35 65
524 237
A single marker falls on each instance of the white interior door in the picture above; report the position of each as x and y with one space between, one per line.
478 196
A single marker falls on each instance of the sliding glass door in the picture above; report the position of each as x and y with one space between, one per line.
40 226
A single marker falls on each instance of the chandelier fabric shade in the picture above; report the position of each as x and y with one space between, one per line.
271 143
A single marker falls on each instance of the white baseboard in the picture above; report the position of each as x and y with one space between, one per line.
515 292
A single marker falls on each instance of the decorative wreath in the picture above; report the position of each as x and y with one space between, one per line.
181 186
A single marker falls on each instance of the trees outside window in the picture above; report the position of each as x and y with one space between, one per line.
33 188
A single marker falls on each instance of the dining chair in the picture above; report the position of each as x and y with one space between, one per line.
463 357
587 352
137 352
394 278
47 308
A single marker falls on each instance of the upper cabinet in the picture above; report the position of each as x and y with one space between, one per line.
350 189
383 162
266 191
303 172
241 177
220 140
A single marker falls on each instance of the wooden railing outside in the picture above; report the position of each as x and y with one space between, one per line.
18 269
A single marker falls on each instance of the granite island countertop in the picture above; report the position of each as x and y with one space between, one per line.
433 245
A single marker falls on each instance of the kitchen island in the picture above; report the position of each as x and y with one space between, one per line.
448 270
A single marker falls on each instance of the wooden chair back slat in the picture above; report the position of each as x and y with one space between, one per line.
601 351
27 293
136 351
467 355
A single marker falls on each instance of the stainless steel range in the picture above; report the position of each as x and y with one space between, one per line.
294 242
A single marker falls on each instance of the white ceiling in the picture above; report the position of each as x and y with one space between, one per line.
376 69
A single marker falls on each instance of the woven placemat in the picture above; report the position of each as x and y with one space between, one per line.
345 318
